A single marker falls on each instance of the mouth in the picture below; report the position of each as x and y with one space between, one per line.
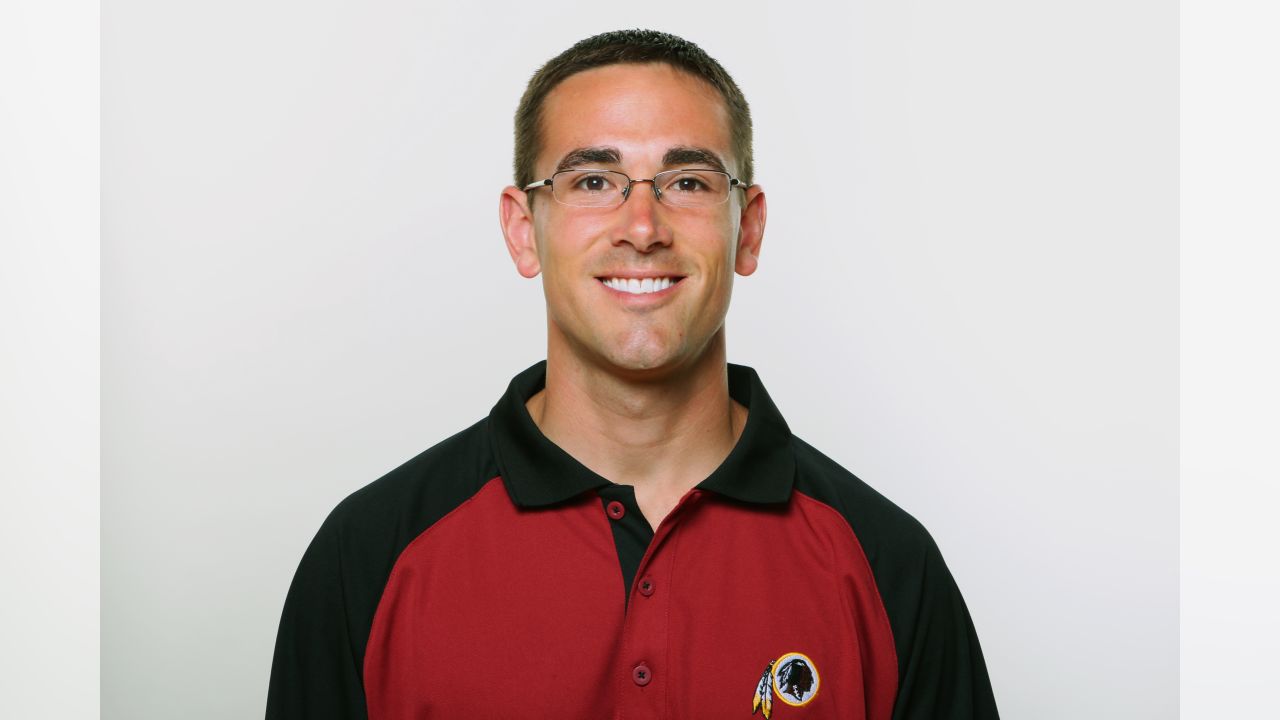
641 285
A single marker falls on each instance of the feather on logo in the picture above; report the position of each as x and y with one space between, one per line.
764 693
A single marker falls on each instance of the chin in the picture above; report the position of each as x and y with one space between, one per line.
643 356
639 362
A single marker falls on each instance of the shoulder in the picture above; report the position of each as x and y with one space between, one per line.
411 497
359 542
915 586
889 535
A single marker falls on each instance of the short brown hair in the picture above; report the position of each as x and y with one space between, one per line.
627 46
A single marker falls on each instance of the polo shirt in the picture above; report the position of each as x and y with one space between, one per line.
495 576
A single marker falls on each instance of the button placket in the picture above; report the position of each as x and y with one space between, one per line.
645 649
647 642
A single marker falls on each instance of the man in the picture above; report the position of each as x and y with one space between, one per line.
632 531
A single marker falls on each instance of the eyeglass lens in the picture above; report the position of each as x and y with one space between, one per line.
604 188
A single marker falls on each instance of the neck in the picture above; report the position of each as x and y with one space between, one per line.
662 434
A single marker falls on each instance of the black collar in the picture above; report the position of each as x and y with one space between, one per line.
537 472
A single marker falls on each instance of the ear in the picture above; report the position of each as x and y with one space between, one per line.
517 228
750 231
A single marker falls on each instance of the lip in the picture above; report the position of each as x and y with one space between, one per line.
641 299
639 274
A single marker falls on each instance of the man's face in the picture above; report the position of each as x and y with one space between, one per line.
640 120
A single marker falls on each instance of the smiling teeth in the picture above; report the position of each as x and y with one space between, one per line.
639 287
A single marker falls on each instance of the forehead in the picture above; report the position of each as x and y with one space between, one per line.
643 110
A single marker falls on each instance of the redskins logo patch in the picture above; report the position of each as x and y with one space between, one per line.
793 678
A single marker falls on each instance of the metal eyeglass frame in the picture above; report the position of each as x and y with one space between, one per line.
626 191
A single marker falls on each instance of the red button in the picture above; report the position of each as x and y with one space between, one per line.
616 510
646 586
641 674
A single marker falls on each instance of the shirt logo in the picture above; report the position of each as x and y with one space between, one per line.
793 678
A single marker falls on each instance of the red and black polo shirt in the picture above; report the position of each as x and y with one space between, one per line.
494 576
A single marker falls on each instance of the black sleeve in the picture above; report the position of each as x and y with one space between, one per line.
942 673
315 674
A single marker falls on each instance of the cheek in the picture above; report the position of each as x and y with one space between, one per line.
564 252
725 251
566 241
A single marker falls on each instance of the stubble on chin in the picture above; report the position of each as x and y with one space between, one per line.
646 348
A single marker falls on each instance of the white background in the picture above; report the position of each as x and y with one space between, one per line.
266 348
967 297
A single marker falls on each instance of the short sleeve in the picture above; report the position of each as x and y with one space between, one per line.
943 673
315 674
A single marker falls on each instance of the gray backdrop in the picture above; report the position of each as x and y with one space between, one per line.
967 296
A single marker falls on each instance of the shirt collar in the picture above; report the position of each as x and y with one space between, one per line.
537 472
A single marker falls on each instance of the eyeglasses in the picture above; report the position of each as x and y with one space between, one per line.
686 188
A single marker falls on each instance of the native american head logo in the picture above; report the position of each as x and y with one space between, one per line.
792 677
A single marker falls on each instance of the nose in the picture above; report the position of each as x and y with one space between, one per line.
641 225
653 187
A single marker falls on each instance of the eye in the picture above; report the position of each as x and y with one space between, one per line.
592 183
688 184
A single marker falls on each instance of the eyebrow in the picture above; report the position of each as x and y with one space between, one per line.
687 155
588 156
681 155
